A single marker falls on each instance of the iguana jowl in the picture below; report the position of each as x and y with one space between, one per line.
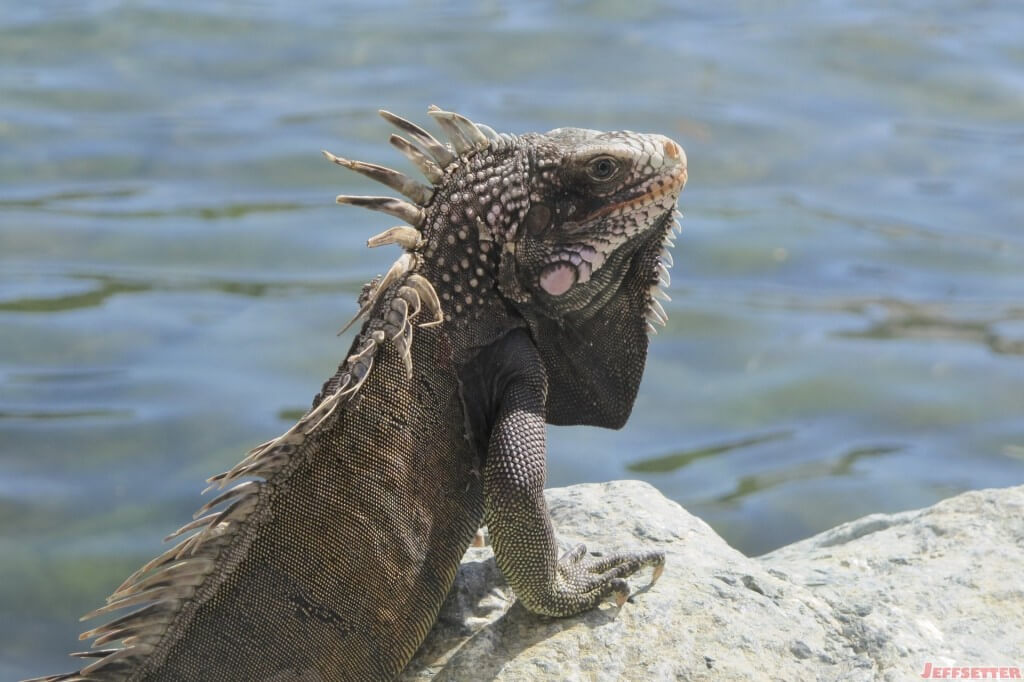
530 275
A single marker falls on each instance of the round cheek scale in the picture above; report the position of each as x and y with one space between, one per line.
558 278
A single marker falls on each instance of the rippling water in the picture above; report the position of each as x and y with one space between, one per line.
847 323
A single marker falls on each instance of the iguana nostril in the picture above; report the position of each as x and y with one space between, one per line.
672 149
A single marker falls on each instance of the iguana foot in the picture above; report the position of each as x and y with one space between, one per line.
583 582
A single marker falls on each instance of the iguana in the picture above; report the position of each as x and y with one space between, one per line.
525 294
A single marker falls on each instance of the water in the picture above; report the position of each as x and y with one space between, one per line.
847 323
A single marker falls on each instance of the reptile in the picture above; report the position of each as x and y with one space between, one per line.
530 275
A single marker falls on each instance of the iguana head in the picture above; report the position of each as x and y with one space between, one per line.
568 229
588 260
594 198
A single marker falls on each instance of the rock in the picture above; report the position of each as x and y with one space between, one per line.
873 599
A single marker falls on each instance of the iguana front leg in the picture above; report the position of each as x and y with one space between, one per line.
517 516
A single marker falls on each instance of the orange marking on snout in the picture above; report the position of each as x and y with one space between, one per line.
671 149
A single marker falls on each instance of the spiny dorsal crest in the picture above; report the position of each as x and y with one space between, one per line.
164 585
390 303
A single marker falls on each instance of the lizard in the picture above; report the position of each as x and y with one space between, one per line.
531 271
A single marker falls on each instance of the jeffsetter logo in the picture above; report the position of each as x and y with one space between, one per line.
970 672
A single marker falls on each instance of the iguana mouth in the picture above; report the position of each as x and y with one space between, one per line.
671 188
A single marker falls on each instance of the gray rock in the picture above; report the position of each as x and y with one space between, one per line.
873 599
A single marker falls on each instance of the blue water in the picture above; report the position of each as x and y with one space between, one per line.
847 323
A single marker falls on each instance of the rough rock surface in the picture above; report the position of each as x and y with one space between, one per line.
874 599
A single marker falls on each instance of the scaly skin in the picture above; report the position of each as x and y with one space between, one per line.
523 298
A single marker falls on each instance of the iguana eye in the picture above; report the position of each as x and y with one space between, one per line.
602 168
